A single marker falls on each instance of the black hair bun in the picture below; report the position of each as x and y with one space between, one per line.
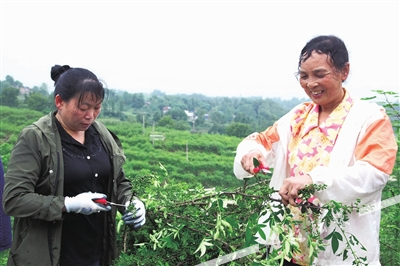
57 70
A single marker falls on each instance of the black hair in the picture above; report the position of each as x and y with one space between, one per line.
330 45
76 82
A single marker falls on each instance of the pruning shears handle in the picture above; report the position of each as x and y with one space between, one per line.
104 202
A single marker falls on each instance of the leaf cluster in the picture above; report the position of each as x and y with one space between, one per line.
188 225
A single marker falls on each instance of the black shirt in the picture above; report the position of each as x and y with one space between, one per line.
86 168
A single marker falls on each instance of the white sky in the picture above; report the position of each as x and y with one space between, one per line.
215 48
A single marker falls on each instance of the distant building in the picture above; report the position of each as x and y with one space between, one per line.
166 109
190 115
24 90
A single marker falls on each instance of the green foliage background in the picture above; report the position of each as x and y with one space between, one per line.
188 157
194 202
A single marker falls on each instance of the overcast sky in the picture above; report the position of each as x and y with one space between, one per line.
215 48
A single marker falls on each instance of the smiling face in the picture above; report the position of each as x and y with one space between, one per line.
77 116
322 82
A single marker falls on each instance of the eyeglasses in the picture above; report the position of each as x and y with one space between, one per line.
318 75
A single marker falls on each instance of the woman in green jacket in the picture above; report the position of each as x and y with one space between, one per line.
59 166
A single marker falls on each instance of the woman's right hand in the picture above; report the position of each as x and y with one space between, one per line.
83 203
247 160
291 187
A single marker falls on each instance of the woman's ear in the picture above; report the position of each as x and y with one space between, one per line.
345 71
58 101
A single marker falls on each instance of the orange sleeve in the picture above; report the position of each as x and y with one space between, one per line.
378 146
267 137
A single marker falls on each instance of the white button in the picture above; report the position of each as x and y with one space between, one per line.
88 157
96 175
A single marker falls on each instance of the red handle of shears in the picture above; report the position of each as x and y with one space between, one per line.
104 202
101 201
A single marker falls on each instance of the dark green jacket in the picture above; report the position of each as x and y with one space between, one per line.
33 193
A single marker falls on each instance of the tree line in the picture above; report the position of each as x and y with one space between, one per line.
233 116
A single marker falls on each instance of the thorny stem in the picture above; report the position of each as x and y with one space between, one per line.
356 258
207 234
124 235
187 218
391 105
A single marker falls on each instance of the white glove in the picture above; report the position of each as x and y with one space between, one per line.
136 218
83 203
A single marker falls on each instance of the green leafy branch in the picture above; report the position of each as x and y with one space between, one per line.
188 225
282 223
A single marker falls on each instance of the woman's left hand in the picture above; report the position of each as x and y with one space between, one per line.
137 218
291 186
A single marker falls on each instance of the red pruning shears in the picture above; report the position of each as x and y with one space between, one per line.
106 203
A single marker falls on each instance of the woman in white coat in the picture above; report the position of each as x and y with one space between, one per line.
346 144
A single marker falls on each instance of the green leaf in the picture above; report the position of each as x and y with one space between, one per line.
335 244
338 236
345 254
216 234
330 235
249 236
368 98
119 225
351 241
203 246
287 247
311 251
261 233
256 163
